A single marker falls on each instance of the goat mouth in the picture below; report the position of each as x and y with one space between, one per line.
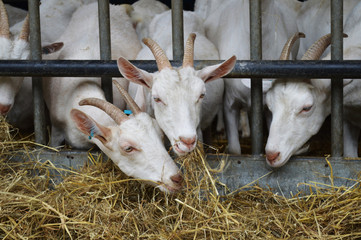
178 150
169 188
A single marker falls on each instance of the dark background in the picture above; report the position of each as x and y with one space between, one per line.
187 5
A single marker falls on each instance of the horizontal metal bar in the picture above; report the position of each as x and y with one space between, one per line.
243 69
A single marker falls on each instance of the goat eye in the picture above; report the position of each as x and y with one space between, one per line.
202 95
157 99
128 149
306 108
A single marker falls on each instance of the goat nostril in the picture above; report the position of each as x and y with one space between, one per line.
177 179
4 109
188 141
272 156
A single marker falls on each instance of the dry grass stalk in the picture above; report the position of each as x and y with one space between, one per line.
100 202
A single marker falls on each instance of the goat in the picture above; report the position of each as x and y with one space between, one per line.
54 17
17 48
143 14
228 28
309 102
311 12
134 143
175 94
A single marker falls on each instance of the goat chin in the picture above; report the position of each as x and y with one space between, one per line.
303 149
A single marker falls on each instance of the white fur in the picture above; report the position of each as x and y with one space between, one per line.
317 11
143 13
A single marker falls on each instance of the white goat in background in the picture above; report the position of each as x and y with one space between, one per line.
143 14
16 47
54 17
317 11
16 92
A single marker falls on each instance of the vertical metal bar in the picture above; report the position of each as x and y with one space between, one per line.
177 29
256 84
105 44
35 54
337 84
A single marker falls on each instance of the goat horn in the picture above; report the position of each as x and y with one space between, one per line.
115 113
288 46
24 34
189 51
317 49
160 57
4 22
130 101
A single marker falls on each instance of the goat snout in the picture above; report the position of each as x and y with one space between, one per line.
272 156
4 109
188 142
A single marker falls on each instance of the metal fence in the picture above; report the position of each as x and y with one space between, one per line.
255 68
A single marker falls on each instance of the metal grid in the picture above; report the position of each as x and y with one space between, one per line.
255 68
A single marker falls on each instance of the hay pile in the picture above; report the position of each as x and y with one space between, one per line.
100 202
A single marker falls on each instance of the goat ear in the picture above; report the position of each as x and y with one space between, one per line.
90 127
52 48
217 71
134 74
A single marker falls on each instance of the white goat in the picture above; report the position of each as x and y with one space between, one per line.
134 143
16 47
228 28
175 96
16 92
143 14
54 17
308 102
317 11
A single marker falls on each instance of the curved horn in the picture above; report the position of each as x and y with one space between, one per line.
160 57
130 101
24 34
4 22
189 51
288 46
115 113
317 49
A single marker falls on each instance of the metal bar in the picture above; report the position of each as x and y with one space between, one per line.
336 84
35 47
256 85
243 69
177 29
105 45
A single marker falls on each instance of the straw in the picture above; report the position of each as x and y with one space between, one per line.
100 202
